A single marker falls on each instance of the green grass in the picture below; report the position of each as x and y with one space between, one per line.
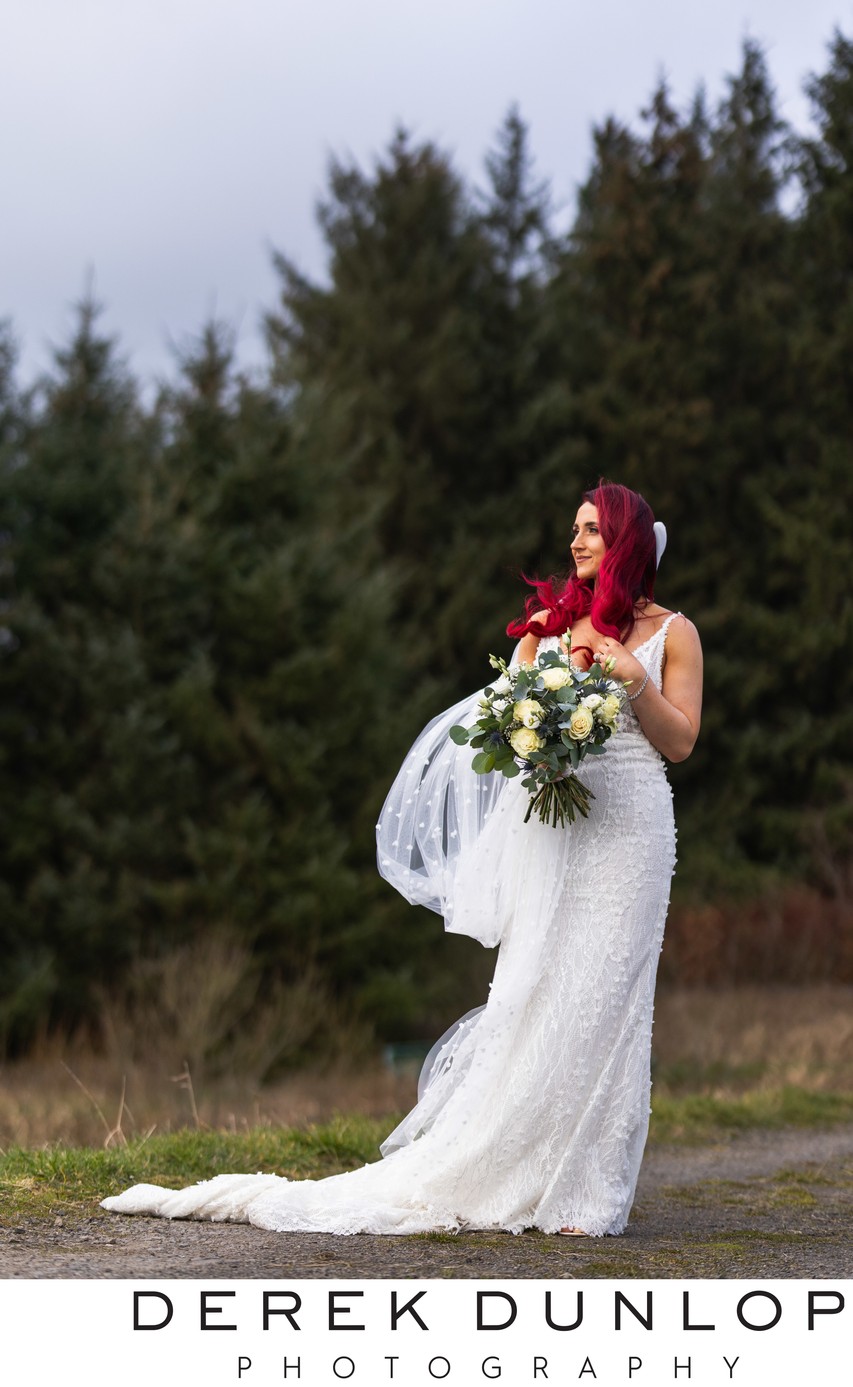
57 1180
691 1075
60 1178
702 1117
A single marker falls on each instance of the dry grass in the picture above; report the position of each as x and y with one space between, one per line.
724 1041
42 1101
208 1004
188 1043
720 1043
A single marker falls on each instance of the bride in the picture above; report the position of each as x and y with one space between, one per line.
533 1110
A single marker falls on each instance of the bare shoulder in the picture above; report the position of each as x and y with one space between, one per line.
681 629
682 640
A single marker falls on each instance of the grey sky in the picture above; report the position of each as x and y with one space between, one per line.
166 145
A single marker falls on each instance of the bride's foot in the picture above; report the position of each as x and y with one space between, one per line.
573 1233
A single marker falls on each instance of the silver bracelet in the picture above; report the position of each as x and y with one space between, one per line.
631 697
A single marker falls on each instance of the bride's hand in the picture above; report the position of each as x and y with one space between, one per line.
625 665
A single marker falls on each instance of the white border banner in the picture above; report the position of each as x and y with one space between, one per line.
417 1333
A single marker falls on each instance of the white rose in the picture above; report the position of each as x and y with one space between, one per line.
502 685
555 678
592 701
529 712
609 710
524 741
581 724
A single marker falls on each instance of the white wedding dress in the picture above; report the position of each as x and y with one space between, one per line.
534 1110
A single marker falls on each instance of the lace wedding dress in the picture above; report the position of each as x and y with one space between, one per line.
533 1111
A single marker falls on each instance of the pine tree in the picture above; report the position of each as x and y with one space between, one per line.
61 678
806 511
517 208
400 351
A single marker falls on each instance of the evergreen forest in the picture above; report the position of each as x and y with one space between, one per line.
228 607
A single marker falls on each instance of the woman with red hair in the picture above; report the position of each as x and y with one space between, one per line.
533 1110
608 605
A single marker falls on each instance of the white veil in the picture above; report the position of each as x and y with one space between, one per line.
456 842
434 814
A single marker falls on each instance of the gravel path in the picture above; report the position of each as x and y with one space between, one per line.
762 1204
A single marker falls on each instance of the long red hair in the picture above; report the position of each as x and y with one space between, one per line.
626 575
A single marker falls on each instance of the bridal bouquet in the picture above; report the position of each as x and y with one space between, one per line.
543 719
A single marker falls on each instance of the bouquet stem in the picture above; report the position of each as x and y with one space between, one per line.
559 801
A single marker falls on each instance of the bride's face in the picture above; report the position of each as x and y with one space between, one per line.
588 548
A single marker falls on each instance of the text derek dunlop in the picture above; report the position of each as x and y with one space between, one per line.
531 1326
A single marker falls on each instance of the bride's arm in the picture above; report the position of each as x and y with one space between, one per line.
670 716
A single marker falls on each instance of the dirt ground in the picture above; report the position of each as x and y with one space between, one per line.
761 1204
